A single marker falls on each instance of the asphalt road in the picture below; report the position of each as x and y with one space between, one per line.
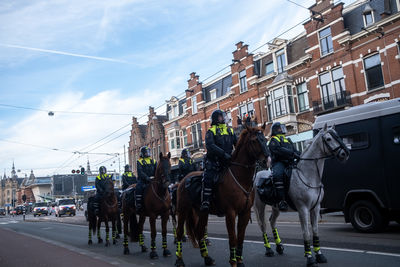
48 241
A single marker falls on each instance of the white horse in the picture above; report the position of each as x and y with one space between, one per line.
305 191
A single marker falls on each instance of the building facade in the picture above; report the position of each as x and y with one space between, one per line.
151 135
8 188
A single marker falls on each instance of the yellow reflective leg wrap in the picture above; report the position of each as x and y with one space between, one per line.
153 244
125 240
164 242
266 242
316 244
203 248
179 249
107 235
233 254
307 248
276 236
174 232
141 239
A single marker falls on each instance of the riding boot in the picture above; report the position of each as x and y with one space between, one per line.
205 199
280 191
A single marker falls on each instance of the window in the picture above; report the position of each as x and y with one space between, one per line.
300 145
290 98
269 68
325 40
302 96
281 60
250 108
326 89
184 106
246 109
373 71
152 130
279 102
229 118
184 135
178 140
368 18
171 141
243 81
194 105
170 116
213 94
338 82
8 192
356 141
176 110
196 135
174 140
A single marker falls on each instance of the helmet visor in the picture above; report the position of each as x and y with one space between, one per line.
283 129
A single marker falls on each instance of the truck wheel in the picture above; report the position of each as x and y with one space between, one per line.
366 217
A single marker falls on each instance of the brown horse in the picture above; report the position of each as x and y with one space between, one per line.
130 220
157 202
108 212
234 198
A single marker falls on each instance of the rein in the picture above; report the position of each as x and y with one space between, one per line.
246 193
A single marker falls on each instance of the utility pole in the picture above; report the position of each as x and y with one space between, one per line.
124 156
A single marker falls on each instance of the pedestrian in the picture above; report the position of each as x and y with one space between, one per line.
248 120
239 121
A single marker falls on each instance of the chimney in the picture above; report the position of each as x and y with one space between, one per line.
151 110
239 45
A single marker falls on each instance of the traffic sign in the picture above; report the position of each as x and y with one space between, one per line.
87 188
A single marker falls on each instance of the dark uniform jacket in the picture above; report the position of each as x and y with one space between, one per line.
282 149
101 182
128 178
146 167
185 166
219 140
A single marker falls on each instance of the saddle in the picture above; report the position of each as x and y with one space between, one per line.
267 191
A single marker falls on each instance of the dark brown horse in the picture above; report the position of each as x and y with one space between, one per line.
130 220
108 212
157 202
234 198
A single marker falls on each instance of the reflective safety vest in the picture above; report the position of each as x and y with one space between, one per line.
102 177
222 129
278 138
183 160
148 160
129 174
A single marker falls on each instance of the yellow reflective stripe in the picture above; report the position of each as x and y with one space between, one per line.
146 160
278 138
129 174
223 129
181 159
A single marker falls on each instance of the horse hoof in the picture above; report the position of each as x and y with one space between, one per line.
166 253
279 249
144 249
126 251
208 261
100 241
321 258
311 262
208 242
179 263
269 252
90 242
153 255
233 263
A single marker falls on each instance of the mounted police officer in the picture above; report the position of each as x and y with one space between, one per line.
146 169
219 143
100 184
283 154
186 164
128 178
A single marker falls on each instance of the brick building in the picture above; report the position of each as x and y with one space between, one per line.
346 56
8 188
150 134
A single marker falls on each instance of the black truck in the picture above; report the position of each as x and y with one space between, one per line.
367 187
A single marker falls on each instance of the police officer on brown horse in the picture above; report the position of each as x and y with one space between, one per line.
146 168
128 178
186 164
100 187
219 143
283 154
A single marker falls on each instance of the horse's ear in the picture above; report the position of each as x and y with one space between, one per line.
325 127
264 125
169 155
161 155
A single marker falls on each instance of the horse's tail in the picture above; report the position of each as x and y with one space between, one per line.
91 215
133 227
191 225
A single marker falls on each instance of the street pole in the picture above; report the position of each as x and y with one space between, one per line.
124 156
119 167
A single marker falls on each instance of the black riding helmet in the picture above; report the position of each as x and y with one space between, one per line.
127 168
145 152
185 153
278 128
102 170
215 117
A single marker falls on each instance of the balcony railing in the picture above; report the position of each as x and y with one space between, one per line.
332 102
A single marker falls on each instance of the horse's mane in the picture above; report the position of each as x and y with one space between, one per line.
242 140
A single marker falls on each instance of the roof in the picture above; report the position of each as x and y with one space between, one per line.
361 112
221 86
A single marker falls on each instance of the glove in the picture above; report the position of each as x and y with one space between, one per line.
227 157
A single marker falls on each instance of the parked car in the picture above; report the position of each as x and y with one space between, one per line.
40 208
2 211
65 206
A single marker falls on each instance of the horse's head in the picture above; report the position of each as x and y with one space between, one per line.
163 171
109 186
254 140
332 141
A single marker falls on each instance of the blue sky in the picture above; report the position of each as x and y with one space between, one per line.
144 53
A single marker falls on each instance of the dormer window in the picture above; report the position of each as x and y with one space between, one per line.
368 15
269 68
280 60
213 94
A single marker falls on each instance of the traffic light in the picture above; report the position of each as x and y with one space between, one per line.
82 170
73 171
